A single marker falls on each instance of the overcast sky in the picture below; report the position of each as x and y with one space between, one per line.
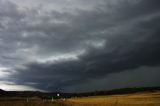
79 45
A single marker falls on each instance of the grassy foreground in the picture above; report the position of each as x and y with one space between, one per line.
136 99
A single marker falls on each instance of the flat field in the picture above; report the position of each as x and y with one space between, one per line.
136 99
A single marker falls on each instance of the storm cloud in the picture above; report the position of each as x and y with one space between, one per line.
75 46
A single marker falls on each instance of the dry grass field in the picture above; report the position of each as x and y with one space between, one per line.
136 99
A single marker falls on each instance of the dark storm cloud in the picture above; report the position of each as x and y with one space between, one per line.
130 50
117 36
52 75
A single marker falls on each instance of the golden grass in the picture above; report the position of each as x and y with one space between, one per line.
137 99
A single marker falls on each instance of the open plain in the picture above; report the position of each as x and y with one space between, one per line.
133 99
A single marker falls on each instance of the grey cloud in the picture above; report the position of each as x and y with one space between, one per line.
127 32
133 50
142 77
58 74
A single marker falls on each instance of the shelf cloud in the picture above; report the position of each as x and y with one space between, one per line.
76 46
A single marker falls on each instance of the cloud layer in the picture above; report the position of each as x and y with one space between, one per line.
72 45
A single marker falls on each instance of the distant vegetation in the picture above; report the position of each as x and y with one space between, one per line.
69 95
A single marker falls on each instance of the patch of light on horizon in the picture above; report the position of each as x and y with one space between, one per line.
8 86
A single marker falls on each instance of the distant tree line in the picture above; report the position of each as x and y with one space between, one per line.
69 95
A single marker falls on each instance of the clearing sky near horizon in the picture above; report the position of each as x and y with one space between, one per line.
79 45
